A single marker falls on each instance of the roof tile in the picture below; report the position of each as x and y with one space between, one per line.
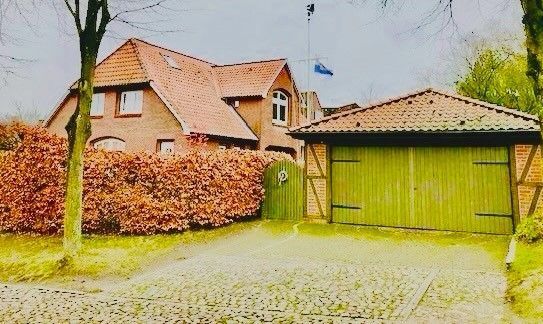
424 111
248 79
194 90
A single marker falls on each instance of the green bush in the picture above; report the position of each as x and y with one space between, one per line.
530 229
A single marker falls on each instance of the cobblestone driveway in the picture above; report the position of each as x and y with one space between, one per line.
260 276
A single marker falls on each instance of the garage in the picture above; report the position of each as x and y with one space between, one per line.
426 160
443 188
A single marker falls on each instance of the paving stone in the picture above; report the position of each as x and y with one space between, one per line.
274 288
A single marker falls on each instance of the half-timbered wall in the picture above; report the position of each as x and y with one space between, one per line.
529 178
316 185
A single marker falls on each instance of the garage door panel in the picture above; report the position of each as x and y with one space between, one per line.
371 180
444 188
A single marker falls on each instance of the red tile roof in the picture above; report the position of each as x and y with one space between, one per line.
424 111
194 91
248 79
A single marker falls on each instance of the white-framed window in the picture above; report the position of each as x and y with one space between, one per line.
110 144
131 103
280 108
97 106
165 146
171 61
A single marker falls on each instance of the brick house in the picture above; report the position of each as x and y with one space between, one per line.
149 98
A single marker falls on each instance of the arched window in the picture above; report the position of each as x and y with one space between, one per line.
110 144
280 108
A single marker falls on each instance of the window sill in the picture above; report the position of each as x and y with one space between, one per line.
279 125
127 115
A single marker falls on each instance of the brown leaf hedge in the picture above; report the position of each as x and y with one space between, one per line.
126 193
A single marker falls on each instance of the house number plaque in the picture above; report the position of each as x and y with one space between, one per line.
282 176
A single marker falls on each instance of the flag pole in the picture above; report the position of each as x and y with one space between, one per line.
307 96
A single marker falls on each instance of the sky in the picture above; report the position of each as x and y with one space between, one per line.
373 53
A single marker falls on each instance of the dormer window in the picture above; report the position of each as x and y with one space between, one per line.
171 61
280 108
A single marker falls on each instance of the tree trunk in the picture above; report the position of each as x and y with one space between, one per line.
533 28
79 132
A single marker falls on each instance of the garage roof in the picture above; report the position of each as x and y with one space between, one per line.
428 110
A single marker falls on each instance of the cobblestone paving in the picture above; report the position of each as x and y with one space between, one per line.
249 287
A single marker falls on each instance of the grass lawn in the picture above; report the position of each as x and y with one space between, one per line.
25 258
526 281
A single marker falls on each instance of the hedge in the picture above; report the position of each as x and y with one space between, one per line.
126 193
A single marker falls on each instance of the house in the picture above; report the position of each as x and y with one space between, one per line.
149 98
429 160
315 110
334 110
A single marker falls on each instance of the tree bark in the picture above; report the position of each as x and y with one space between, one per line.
533 28
79 132
79 125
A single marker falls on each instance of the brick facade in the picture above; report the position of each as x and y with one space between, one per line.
257 113
529 178
140 133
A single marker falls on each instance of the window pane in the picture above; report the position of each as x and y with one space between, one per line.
131 102
282 111
110 144
171 61
166 147
274 111
282 96
275 94
97 106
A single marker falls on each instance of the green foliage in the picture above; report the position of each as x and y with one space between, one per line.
530 229
499 76
37 258
525 282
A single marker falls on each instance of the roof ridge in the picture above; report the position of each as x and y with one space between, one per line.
140 59
368 106
170 50
413 93
485 104
249 62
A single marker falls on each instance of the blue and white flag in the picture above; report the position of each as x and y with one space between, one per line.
321 69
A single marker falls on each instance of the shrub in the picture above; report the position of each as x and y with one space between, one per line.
530 229
8 137
128 193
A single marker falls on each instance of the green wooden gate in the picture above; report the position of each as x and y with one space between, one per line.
283 185
444 188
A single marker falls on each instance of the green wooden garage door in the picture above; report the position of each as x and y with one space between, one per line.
443 188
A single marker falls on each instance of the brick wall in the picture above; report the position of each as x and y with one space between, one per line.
529 178
139 133
316 182
257 113
273 135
